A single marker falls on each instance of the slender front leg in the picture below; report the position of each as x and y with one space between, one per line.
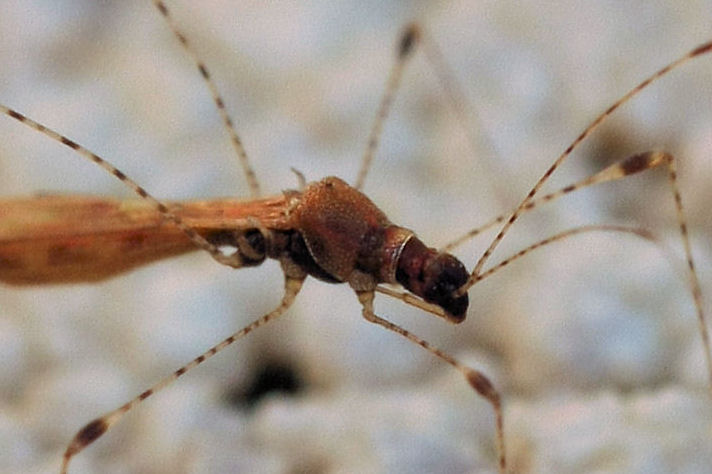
475 378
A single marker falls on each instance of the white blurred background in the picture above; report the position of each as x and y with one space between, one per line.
592 342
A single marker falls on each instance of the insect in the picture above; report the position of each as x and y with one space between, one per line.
537 171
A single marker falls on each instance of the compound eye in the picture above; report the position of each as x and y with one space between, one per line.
442 277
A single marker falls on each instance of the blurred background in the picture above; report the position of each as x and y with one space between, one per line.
592 342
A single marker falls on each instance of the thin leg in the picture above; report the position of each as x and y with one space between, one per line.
217 99
475 378
618 170
627 167
413 36
408 41
94 429
700 50
691 272
636 231
233 260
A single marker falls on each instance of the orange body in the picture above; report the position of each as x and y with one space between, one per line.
330 231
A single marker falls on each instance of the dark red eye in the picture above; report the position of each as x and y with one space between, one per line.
441 278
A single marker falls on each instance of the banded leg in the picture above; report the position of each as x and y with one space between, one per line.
217 99
475 378
407 43
700 50
618 170
96 428
232 260
414 35
629 166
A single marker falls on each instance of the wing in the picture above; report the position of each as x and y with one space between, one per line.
67 239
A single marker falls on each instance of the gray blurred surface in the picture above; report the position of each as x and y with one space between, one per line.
592 342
